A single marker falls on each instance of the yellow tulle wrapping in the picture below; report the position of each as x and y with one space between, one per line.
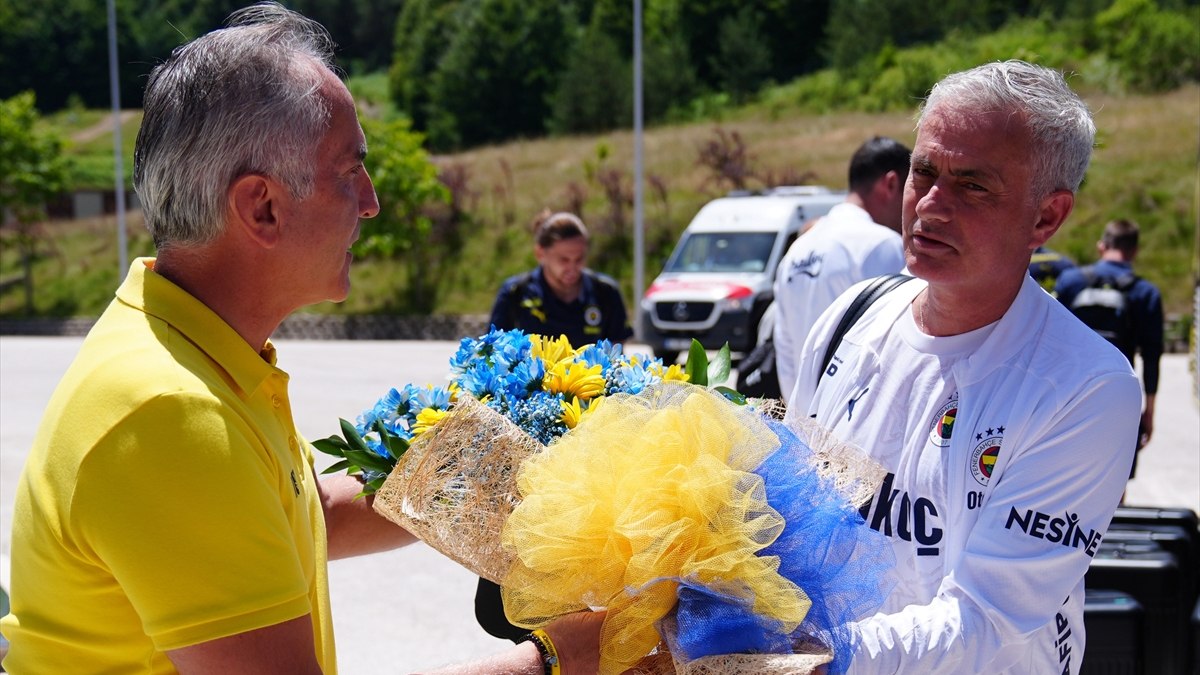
648 490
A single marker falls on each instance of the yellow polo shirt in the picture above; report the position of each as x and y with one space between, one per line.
168 499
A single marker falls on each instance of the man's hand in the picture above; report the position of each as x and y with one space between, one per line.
1146 425
576 637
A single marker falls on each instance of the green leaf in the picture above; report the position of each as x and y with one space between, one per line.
385 437
718 368
731 394
369 460
697 364
333 445
340 466
396 445
352 438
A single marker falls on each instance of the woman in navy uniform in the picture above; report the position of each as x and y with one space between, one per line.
561 296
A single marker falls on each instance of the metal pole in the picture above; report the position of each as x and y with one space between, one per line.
118 158
639 219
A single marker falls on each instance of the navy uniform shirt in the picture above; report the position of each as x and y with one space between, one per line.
525 301
1046 265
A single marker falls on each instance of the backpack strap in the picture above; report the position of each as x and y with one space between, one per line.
878 287
1126 282
1122 283
1089 275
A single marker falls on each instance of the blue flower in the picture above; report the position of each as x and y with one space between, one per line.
528 376
499 368
429 397
604 353
479 380
509 348
539 415
468 350
632 378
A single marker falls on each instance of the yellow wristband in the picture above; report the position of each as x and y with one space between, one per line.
545 647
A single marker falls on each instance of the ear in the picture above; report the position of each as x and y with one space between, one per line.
539 253
1052 213
253 204
894 182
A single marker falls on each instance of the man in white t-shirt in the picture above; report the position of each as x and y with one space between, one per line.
1006 427
856 240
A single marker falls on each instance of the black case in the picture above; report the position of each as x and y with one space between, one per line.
1152 576
1172 539
1169 524
1196 639
1177 530
1114 622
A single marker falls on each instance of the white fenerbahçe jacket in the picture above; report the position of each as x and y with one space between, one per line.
999 487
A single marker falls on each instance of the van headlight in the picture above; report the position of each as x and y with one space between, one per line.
736 304
739 299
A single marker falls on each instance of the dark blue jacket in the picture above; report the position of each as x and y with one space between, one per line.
526 302
1144 301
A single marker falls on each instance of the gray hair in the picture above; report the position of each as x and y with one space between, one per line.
1059 122
239 100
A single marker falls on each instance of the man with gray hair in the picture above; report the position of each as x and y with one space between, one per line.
168 518
1004 426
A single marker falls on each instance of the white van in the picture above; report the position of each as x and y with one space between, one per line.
719 279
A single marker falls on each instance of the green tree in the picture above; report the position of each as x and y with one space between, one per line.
60 48
423 32
857 30
407 185
32 170
668 76
1155 48
594 90
743 61
495 80
790 31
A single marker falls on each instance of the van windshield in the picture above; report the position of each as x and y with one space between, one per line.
746 252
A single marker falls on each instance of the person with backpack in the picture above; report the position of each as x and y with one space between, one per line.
1122 307
561 296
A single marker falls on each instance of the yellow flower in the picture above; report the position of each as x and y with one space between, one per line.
571 412
574 379
427 418
574 411
673 372
551 350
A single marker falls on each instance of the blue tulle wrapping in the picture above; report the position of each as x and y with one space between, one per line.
825 548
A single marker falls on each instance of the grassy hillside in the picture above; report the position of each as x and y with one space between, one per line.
1145 168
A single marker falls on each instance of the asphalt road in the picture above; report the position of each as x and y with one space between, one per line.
412 609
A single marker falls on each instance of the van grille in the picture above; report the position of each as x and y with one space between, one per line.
683 311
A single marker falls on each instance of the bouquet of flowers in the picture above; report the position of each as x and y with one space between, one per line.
717 539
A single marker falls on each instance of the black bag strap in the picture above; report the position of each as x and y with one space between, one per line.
879 287
1122 283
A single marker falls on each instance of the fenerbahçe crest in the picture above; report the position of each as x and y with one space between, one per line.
943 423
987 449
